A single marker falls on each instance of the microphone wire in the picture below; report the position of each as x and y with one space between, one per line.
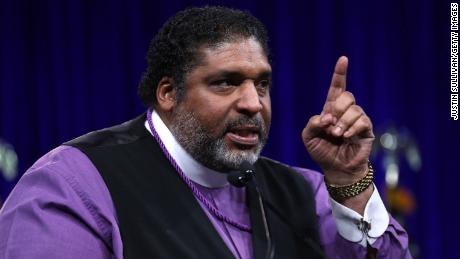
270 252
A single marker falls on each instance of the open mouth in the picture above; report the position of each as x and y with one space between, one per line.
244 135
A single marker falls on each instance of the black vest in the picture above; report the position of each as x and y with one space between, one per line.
160 218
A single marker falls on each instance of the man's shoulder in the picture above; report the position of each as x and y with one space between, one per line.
67 166
123 133
60 158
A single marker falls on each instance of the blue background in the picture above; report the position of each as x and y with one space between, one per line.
69 67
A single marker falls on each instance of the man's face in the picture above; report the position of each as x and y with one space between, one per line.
225 115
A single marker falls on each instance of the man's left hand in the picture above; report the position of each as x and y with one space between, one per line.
340 138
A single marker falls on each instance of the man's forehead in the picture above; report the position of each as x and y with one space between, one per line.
235 55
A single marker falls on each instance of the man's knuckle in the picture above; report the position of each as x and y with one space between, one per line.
365 122
349 96
357 109
314 119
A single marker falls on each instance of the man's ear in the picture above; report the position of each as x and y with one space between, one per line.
166 94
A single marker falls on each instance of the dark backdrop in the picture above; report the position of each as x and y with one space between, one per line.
68 67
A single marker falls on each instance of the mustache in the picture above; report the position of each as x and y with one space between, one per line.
256 122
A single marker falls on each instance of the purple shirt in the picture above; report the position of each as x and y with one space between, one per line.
61 208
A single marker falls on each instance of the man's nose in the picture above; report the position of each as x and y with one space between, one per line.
249 99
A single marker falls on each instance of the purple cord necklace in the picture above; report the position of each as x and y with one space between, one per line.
189 182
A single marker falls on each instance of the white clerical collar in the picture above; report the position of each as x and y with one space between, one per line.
191 168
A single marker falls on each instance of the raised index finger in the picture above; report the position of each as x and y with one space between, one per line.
339 79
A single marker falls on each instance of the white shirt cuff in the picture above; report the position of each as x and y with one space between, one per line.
361 229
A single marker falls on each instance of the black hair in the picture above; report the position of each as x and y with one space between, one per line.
174 51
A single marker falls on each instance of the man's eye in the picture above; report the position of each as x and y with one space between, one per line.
263 85
223 83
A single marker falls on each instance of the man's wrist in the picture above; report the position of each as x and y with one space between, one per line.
343 192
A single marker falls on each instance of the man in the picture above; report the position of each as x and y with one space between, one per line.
156 186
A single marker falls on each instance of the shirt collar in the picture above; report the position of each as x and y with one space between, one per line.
195 171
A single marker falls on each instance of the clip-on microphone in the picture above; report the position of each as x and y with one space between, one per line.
242 176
